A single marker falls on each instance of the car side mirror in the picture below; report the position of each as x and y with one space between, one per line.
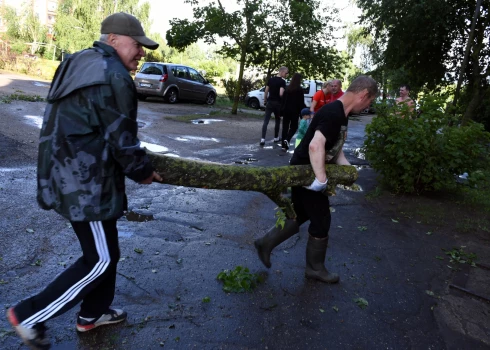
205 81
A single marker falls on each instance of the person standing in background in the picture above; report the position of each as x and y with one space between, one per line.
272 101
319 99
293 100
404 99
335 91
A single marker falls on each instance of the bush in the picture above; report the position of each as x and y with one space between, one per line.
248 84
424 154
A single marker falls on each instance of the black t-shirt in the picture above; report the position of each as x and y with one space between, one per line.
331 121
275 84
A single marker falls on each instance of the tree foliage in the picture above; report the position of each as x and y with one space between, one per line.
78 21
426 40
264 34
426 153
24 26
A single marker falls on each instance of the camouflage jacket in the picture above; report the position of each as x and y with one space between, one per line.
88 141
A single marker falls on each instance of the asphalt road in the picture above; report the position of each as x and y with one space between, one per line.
196 233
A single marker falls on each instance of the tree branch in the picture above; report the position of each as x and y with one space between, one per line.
271 181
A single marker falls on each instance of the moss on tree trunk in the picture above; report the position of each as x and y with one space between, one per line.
271 181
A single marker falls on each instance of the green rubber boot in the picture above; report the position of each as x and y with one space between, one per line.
273 238
316 249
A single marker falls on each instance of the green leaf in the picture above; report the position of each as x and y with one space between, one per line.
206 300
429 292
138 250
335 308
394 220
238 280
361 302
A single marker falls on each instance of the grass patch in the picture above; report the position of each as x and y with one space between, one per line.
21 97
185 118
48 68
223 101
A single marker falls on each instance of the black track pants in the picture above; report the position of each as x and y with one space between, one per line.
91 279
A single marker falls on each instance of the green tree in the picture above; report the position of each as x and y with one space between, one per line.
264 34
428 40
25 26
78 21
212 20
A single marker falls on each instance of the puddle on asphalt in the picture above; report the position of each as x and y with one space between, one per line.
196 138
358 152
206 121
132 216
35 120
353 188
9 170
360 167
40 84
154 148
246 159
125 234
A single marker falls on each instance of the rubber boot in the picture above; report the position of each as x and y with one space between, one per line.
316 249
273 238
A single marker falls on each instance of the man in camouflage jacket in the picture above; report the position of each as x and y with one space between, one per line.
88 145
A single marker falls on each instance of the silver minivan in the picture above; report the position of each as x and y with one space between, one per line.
173 82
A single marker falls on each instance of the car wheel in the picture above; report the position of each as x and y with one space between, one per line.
142 97
172 96
210 99
254 103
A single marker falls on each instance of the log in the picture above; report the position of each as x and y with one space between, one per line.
271 181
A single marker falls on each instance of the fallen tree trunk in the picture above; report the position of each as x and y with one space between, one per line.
271 181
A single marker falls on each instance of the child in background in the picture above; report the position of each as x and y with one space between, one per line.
306 117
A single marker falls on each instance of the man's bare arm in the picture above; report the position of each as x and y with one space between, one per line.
317 156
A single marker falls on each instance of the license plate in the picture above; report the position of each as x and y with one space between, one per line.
145 85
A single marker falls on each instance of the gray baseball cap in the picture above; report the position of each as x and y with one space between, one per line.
125 24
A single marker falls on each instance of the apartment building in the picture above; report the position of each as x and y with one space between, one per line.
44 9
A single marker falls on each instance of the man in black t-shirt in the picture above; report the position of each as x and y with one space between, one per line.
272 100
321 144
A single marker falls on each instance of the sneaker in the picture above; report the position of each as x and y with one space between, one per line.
277 139
285 145
262 142
34 337
112 316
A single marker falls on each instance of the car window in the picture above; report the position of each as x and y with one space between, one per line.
152 68
263 89
306 87
319 86
195 76
180 72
